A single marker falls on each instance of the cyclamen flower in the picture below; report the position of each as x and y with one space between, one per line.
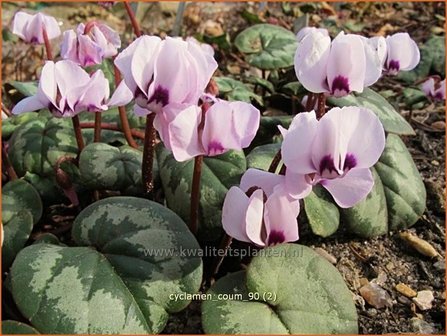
260 211
161 72
188 132
346 64
66 90
402 53
30 27
307 30
90 44
434 88
336 152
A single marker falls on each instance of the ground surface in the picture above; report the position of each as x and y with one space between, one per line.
388 258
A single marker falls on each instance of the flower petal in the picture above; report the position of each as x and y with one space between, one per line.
28 104
346 65
350 189
375 51
246 119
233 214
122 96
261 179
311 60
69 46
254 218
280 216
403 53
298 158
69 75
20 22
307 30
297 185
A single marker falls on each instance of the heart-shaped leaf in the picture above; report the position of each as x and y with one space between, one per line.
321 212
404 189
27 89
17 328
219 173
135 255
21 209
104 167
391 120
36 145
236 90
267 46
288 289
369 218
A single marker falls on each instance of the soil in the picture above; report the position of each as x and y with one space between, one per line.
388 259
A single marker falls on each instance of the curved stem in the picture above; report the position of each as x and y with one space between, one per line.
224 245
321 108
195 194
113 127
122 113
148 153
97 131
78 133
275 162
133 20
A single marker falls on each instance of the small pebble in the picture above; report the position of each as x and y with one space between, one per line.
440 265
404 300
438 125
421 327
424 300
363 281
420 245
326 255
372 312
435 163
405 290
376 296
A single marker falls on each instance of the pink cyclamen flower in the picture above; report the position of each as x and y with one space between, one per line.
402 53
161 72
90 44
30 27
307 30
336 152
260 211
434 88
66 90
188 132
346 64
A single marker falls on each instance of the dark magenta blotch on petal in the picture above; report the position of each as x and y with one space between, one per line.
340 86
276 237
215 148
327 163
393 67
350 162
160 96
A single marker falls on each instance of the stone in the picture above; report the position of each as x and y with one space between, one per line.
376 296
421 327
405 290
424 300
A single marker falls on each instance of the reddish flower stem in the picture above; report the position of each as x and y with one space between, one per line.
78 133
112 127
133 20
148 153
47 44
7 164
310 101
122 113
97 128
195 194
275 162
224 245
321 108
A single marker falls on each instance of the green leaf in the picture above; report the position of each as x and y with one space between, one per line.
392 121
122 278
16 232
404 189
219 173
17 328
369 218
268 128
261 157
436 47
36 145
19 195
288 289
104 167
46 186
10 125
267 46
322 213
264 83
27 89
235 90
